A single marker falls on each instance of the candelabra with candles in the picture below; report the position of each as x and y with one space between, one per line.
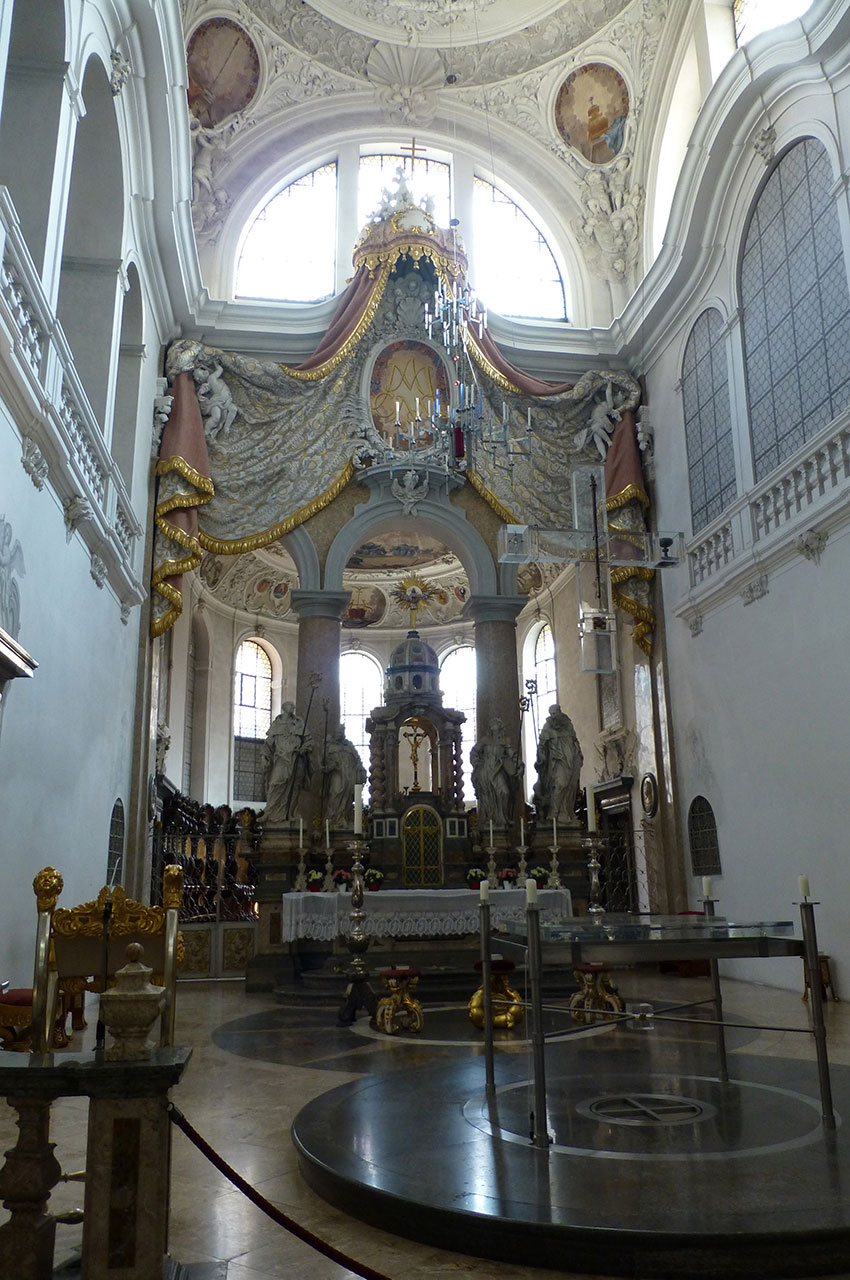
358 993
300 885
593 844
553 880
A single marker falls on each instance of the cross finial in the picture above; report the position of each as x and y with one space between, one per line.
412 149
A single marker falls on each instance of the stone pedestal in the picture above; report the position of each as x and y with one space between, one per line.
127 1162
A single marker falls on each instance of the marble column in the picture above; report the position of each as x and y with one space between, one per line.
497 673
319 614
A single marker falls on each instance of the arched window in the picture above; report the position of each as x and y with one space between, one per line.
754 16
708 420
458 684
515 270
538 668
361 684
795 307
252 715
115 851
702 837
289 252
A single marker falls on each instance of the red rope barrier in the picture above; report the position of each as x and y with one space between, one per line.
276 1215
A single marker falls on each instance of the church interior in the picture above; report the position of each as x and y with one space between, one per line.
390 412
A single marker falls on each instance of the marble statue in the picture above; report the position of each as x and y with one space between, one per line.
343 768
496 775
287 763
558 766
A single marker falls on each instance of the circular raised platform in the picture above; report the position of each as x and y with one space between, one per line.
656 1168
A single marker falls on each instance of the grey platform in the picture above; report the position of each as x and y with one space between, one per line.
656 1168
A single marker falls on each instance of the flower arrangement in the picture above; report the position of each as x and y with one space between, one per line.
314 879
474 876
540 874
341 876
508 877
372 876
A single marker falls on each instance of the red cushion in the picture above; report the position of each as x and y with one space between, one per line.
399 973
17 996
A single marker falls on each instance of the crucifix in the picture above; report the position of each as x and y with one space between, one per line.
416 735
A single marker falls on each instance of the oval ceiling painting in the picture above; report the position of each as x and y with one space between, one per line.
591 111
224 70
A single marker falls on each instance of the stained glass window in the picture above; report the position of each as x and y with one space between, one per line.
290 252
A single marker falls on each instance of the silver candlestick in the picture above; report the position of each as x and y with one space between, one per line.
593 845
300 885
328 885
522 865
553 880
492 877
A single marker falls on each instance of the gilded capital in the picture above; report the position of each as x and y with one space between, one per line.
47 886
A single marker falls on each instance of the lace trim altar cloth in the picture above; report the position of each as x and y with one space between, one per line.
412 913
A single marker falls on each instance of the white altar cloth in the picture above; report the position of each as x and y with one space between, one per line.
412 913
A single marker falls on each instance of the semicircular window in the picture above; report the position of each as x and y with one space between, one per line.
289 253
515 269
702 837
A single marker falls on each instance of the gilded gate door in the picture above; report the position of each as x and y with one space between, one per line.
422 848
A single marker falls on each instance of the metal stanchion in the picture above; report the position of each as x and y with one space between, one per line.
719 1030
538 1125
810 959
489 1063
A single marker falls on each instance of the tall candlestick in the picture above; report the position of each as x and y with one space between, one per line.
327 833
358 808
591 811
300 833
555 831
530 892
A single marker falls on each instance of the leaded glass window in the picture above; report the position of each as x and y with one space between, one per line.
425 178
115 851
252 714
361 684
795 307
290 251
708 420
458 684
702 837
515 270
541 686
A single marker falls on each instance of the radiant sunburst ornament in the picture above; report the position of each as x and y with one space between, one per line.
413 591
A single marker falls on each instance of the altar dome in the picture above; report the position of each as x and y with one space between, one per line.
413 670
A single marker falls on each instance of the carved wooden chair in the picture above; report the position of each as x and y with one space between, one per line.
17 1007
71 957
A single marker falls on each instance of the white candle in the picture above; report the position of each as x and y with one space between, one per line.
530 892
706 886
327 833
555 832
300 833
522 831
591 811
358 808
803 884
484 891
491 833
396 412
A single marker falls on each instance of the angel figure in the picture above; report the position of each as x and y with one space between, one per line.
11 561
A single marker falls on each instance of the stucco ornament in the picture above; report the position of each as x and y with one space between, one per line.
120 73
407 80
216 403
410 491
610 226
77 510
34 462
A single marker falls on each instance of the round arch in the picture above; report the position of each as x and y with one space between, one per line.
382 513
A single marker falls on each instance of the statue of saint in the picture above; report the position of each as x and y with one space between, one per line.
558 766
343 768
496 775
288 766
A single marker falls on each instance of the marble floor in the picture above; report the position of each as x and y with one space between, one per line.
256 1065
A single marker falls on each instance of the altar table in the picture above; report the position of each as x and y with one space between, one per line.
413 913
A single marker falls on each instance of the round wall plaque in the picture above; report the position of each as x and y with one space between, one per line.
649 794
